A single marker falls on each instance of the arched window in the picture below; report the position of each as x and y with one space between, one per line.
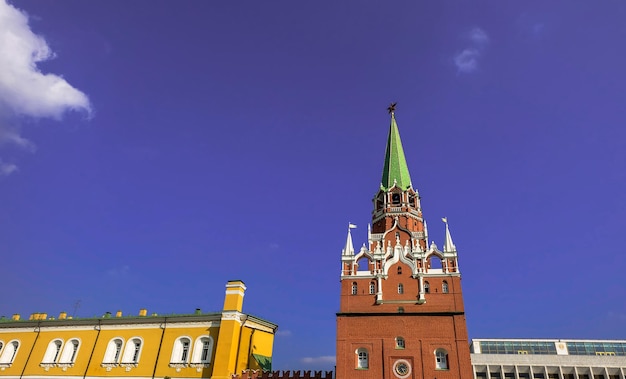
69 351
372 288
395 198
132 351
441 359
180 352
362 358
202 350
399 270
354 288
426 287
113 351
400 343
444 287
400 288
52 352
9 353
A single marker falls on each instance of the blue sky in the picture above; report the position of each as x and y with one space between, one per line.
151 151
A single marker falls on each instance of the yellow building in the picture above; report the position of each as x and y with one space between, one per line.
200 345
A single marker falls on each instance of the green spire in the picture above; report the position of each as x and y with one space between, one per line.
395 169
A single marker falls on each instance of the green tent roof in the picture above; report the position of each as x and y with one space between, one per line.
395 169
263 361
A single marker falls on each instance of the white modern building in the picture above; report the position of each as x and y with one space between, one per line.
548 359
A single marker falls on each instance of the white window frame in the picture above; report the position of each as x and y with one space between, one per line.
444 287
426 287
441 359
179 349
400 288
70 351
53 352
198 350
132 351
400 343
355 288
362 359
9 352
110 357
372 288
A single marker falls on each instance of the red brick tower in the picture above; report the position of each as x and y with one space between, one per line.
401 315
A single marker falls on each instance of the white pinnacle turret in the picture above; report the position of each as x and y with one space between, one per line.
349 249
448 246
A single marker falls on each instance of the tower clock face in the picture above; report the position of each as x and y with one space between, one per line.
402 369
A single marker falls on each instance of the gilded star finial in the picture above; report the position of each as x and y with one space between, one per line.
392 108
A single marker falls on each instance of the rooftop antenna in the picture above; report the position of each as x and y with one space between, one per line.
76 306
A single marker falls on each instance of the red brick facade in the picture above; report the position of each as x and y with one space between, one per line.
401 314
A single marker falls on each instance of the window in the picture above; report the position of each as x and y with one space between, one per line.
69 352
426 287
52 352
400 343
395 198
185 353
202 350
400 288
113 351
132 351
444 287
74 351
205 351
441 359
362 358
354 288
399 270
118 350
180 351
136 351
9 353
372 288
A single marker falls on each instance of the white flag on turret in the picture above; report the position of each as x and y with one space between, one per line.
351 226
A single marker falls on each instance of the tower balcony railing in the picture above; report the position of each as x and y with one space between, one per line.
379 236
381 212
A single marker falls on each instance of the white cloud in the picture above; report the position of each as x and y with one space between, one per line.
119 271
283 333
24 89
467 60
318 360
7 168
478 37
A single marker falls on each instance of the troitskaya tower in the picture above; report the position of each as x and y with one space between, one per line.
401 313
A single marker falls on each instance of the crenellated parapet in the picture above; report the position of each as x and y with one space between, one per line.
254 374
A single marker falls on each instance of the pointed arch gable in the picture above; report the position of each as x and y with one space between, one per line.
397 259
